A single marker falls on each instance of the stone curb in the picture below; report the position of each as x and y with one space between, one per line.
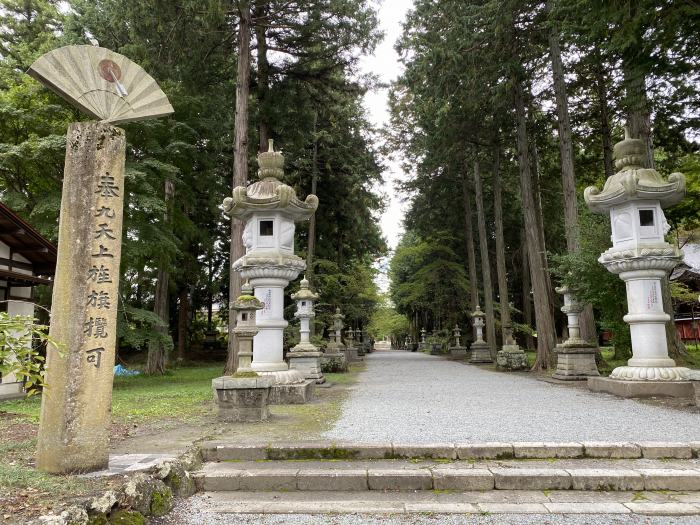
217 451
441 478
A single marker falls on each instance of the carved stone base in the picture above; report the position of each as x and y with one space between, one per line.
284 377
292 394
512 357
481 353
334 363
678 389
11 391
242 399
351 354
309 364
575 363
459 352
650 373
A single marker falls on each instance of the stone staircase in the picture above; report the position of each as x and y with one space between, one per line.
319 477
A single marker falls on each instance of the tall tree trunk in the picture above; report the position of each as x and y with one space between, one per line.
527 288
543 307
600 79
182 318
485 262
638 111
506 325
263 86
157 356
568 176
471 252
240 170
314 183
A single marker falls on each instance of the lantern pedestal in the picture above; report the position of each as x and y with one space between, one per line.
242 399
624 388
459 352
480 352
512 357
575 357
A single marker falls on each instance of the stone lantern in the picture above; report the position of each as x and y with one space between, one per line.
362 342
458 350
634 197
575 357
350 348
481 352
270 210
305 356
243 396
511 356
334 359
423 343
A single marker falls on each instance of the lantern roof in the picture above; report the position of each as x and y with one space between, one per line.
633 182
304 292
247 301
477 312
269 193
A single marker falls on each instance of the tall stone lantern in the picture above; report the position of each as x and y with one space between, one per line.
305 356
481 352
350 347
270 210
634 197
334 359
458 350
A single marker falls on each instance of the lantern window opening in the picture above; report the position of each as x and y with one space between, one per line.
244 316
646 217
267 228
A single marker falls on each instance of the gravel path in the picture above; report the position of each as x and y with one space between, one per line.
417 398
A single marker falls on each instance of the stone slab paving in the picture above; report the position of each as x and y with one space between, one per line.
406 397
129 463
483 508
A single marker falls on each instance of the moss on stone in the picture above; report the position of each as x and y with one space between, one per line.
174 481
98 519
127 517
161 502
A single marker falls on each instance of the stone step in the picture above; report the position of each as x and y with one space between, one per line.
448 476
223 451
491 502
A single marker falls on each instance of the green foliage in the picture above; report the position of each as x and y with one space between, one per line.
593 283
387 322
19 355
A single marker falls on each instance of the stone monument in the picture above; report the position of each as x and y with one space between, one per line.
635 197
458 350
76 407
350 348
423 345
270 209
334 360
575 356
362 342
305 356
511 356
480 350
244 395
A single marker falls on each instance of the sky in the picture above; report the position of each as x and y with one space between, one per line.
385 64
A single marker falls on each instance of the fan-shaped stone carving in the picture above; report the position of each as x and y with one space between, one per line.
102 83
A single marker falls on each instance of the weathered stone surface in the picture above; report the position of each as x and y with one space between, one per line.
308 363
547 450
531 479
462 479
321 479
512 508
480 353
663 509
216 451
147 495
458 352
270 479
599 449
512 358
242 399
433 450
587 508
642 389
76 407
671 479
484 450
333 363
575 363
659 450
292 394
606 479
104 503
397 479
